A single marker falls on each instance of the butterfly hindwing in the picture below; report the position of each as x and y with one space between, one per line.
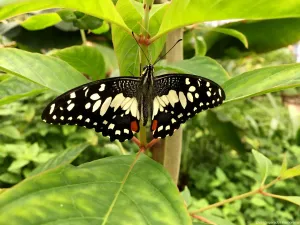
178 98
109 106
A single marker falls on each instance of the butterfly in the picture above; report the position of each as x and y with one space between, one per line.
116 106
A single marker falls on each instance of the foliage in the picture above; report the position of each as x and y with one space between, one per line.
109 188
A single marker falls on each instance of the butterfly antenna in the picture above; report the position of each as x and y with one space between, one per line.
167 52
141 48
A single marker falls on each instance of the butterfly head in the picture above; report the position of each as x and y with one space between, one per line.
147 74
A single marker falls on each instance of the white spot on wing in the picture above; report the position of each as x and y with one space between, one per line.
134 108
102 87
155 107
88 105
182 99
105 122
87 120
160 128
117 101
126 131
54 117
70 118
73 95
187 81
190 97
220 92
208 93
128 104
192 89
118 132
69 101
196 95
52 108
180 115
62 118
70 107
173 97
79 117
168 127
111 126
165 99
105 106
95 96
207 84
173 120
96 105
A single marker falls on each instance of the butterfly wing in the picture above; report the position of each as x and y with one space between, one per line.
178 98
109 106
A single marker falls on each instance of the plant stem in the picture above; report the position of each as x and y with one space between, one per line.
83 37
143 58
245 195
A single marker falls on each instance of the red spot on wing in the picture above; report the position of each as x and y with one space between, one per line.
134 126
154 125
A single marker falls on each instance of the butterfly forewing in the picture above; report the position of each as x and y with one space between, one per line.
178 98
110 106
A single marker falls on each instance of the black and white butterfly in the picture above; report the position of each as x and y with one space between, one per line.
115 106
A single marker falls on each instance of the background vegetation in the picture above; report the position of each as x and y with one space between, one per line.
217 162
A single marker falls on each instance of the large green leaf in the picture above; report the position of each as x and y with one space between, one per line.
114 190
199 65
47 71
103 9
262 36
14 88
292 172
263 164
87 60
181 13
41 21
261 81
125 46
63 158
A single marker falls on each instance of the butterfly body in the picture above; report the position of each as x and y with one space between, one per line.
116 106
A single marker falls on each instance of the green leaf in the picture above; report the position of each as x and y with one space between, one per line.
14 88
262 36
261 81
17 165
85 59
10 178
125 46
200 46
186 195
199 65
47 71
63 158
10 131
217 220
67 15
41 21
104 9
283 166
292 199
102 29
181 13
226 131
228 31
87 22
99 192
292 172
110 58
263 165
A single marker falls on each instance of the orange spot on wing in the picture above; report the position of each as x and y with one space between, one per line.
134 126
154 125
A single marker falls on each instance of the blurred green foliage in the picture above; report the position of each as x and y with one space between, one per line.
216 163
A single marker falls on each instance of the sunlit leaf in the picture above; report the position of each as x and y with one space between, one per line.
60 159
47 71
292 172
261 81
181 13
85 59
263 164
41 21
104 9
101 192
10 131
198 65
